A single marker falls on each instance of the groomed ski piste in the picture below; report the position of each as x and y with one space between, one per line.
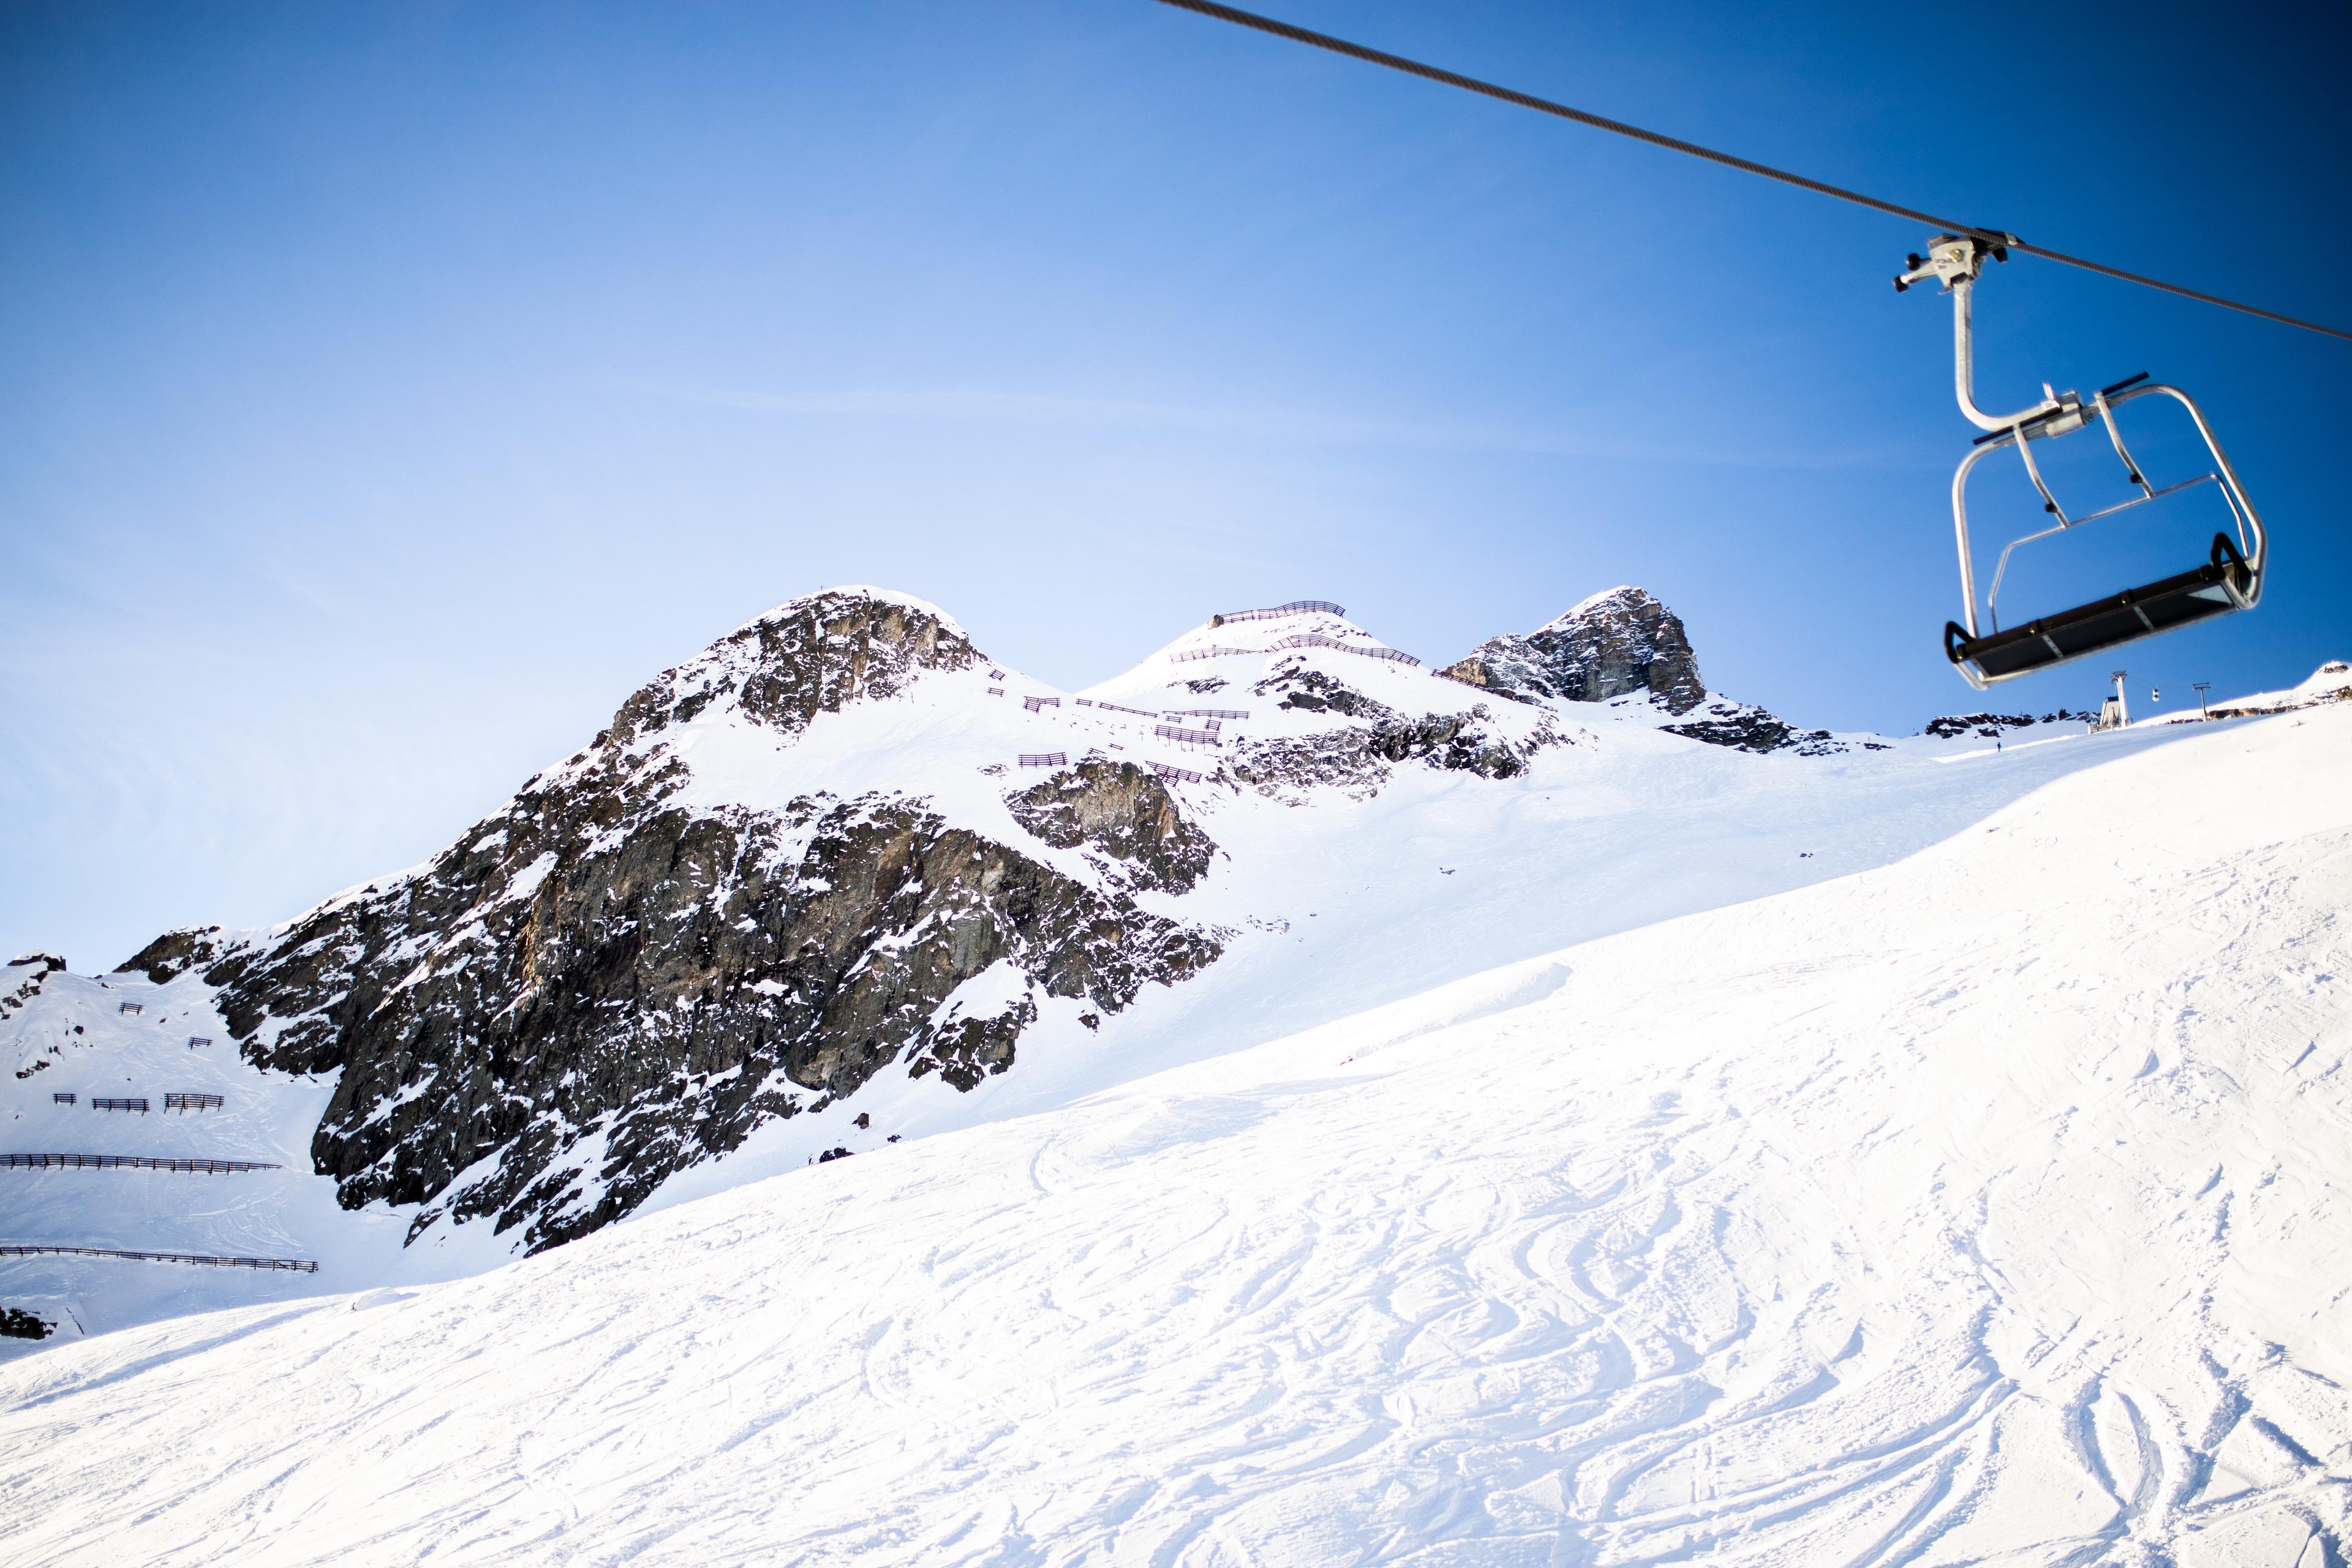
1970 1197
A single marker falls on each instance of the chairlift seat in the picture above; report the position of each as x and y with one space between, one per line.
2223 583
2231 579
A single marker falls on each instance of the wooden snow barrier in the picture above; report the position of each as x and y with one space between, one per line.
1173 774
133 1008
129 1163
1208 712
1296 607
1043 759
198 1042
996 691
286 1265
1184 737
1115 708
1034 703
177 1101
62 1097
109 1102
1212 651
1317 639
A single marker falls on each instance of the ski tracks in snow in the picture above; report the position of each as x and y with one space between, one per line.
1981 1208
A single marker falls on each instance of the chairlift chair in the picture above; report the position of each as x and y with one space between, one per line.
2228 579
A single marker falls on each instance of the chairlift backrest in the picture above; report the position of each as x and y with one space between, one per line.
2230 579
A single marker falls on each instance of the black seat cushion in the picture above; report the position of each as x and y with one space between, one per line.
2216 588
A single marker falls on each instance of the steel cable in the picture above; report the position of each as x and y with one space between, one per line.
1747 166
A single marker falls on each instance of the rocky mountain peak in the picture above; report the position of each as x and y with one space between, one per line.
631 966
813 655
1623 642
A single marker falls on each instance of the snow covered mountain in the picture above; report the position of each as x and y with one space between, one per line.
1975 1198
721 912
841 880
814 852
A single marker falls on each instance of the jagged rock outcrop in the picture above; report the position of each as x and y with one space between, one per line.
813 655
1623 642
1309 690
1359 758
1992 725
21 980
604 983
1747 728
1124 817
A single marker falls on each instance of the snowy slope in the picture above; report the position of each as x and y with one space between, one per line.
1981 1208
1335 897
1342 879
73 1037
2331 682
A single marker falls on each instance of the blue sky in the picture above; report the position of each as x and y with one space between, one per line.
387 391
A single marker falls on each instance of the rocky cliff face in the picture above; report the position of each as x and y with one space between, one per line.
604 983
1358 757
681 933
20 984
1747 728
1992 726
1617 644
1623 644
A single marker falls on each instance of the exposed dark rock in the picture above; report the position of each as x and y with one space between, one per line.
1620 643
600 986
1747 728
48 962
1952 724
1358 759
813 655
25 984
1124 813
174 953
16 1324
1310 691
1991 726
964 1050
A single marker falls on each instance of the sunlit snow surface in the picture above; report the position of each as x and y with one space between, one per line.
1330 904
1981 1207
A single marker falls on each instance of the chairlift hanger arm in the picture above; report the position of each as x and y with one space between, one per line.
1990 237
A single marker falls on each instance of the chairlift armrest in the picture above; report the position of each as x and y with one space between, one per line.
2128 380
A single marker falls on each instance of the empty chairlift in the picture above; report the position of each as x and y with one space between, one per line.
2228 578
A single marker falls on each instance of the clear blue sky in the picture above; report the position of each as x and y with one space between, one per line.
385 391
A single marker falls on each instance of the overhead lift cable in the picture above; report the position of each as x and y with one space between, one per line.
1994 240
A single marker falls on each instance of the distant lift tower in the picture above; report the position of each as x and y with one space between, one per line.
2202 688
2113 713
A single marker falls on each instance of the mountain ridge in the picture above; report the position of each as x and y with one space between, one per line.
813 867
1978 1205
